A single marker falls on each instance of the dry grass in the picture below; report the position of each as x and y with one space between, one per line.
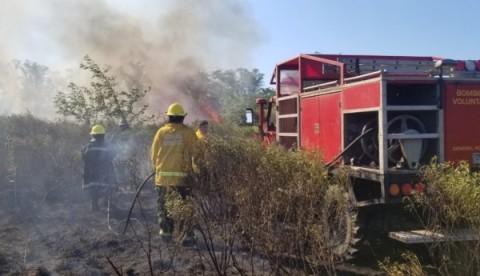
249 201
410 266
267 199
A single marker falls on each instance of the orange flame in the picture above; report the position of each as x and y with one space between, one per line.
207 108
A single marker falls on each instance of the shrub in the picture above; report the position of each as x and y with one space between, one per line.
452 202
268 198
41 157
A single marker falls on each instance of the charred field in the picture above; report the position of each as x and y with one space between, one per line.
61 235
64 237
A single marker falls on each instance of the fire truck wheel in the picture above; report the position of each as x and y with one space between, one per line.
340 221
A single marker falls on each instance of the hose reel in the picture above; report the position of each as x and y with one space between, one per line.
406 149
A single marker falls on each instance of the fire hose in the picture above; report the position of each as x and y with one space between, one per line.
330 164
135 199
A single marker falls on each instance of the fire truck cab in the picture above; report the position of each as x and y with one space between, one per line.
379 117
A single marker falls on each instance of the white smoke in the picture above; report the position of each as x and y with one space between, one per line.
146 42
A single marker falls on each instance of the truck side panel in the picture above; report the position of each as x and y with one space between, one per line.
462 127
321 124
361 96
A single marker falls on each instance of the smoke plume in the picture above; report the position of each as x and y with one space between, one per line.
160 43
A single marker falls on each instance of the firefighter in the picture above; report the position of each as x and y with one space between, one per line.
171 154
202 131
98 173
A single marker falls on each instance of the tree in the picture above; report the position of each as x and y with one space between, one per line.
34 75
237 90
24 86
101 101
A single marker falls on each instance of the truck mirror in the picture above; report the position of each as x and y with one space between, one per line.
249 116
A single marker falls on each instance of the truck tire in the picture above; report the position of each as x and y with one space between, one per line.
340 222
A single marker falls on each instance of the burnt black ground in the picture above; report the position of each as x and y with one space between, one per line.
58 234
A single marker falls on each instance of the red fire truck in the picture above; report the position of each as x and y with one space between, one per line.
380 118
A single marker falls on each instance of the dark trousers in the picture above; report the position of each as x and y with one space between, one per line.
164 193
96 191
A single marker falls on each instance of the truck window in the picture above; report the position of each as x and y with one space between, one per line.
289 82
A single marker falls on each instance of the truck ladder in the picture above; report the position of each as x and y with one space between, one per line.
362 66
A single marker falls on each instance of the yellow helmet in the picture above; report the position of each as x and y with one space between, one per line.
97 129
176 109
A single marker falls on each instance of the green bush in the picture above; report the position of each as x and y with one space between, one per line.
454 193
451 202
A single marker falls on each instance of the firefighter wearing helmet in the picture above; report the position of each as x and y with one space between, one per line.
98 172
202 131
171 155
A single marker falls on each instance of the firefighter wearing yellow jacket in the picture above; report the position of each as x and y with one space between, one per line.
202 131
171 154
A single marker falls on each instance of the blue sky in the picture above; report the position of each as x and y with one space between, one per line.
448 29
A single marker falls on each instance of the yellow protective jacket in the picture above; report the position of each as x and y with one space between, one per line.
200 135
171 154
